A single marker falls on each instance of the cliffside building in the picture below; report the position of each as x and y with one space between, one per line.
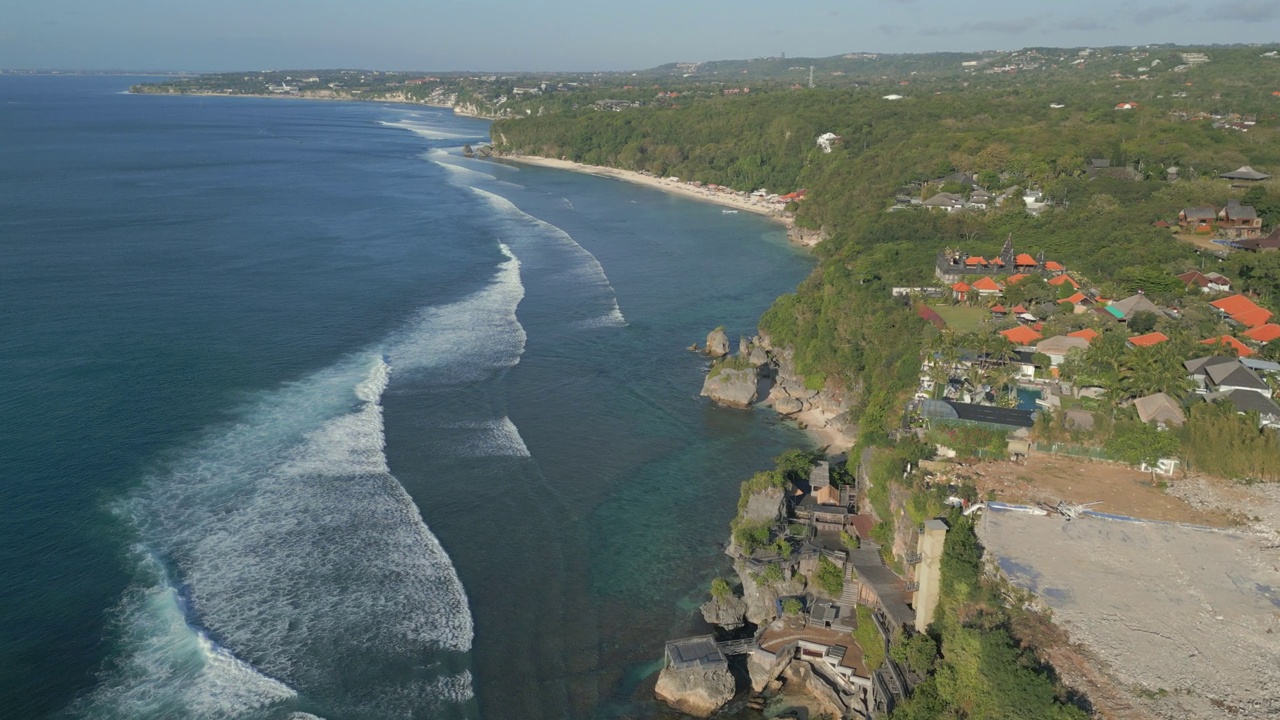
928 571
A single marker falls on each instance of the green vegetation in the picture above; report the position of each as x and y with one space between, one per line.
915 651
1219 441
961 318
983 672
869 639
851 542
970 441
1137 443
729 362
752 536
792 606
771 575
721 590
829 577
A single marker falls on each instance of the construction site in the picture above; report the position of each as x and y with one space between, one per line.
1164 593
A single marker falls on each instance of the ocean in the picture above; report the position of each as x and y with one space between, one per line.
304 414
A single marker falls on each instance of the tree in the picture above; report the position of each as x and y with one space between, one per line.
916 651
1142 322
721 590
792 606
1140 443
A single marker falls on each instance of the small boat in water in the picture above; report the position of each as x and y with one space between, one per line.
729 212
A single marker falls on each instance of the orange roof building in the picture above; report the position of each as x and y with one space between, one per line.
1019 309
1088 334
1021 335
975 261
997 308
1015 279
1025 260
961 287
1253 318
1053 266
1154 338
1064 278
987 285
1264 333
1234 305
1075 299
1241 349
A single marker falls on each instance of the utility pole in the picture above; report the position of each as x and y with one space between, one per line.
810 76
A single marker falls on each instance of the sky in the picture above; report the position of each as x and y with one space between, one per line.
538 35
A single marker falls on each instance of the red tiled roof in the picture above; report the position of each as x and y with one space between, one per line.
1087 333
1021 335
1264 333
1019 309
1234 305
997 308
1038 327
1240 348
1015 279
1025 260
986 283
929 314
961 287
1078 297
1054 266
1253 318
975 261
1149 339
1064 279
1161 224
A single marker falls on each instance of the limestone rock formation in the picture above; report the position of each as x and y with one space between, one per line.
726 613
698 692
787 405
802 676
732 386
717 343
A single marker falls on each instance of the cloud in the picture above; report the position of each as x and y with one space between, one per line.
1250 11
1008 27
1158 11
1082 24
889 29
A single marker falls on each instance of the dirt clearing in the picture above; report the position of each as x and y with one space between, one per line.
1045 478
1185 621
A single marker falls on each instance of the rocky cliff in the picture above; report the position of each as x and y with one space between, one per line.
697 692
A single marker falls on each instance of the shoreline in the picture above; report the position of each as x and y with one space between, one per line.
735 202
286 96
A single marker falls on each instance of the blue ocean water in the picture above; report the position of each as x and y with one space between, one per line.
306 415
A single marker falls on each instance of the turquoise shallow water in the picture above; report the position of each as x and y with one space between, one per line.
304 413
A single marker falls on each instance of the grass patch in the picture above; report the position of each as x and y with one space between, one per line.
962 319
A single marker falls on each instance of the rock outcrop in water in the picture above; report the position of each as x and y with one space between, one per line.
699 692
717 343
730 383
727 613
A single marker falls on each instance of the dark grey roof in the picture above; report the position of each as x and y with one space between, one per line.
1244 173
1100 163
1242 212
1270 242
820 475
1206 213
1236 375
871 570
694 651
992 415
1198 365
1248 401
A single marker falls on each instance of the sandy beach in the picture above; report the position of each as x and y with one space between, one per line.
726 198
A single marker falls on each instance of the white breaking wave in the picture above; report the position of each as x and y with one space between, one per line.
174 670
299 552
467 339
496 438
587 270
426 130
465 174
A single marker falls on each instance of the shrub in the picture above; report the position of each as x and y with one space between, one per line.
829 577
850 541
721 589
792 606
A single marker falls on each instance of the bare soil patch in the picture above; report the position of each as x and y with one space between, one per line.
1121 490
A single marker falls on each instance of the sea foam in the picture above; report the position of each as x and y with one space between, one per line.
582 268
299 555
